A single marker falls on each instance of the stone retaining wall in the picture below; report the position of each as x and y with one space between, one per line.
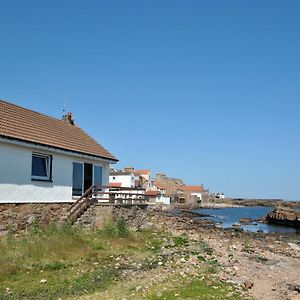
135 217
98 216
19 216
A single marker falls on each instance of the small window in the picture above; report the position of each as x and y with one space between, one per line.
41 166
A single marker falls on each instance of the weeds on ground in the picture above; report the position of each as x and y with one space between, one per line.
117 229
76 261
205 248
191 288
181 240
247 246
71 259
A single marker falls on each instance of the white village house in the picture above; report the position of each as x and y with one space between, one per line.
47 160
121 179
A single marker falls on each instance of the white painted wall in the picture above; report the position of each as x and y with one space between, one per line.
163 199
199 195
16 185
125 180
146 176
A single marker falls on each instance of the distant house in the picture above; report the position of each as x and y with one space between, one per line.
219 196
144 173
143 176
159 187
194 190
44 159
122 179
170 184
157 197
190 194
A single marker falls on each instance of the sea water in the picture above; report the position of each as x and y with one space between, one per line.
226 217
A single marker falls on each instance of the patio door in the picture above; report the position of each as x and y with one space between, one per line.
77 184
82 178
88 176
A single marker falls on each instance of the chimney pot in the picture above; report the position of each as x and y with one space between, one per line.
68 117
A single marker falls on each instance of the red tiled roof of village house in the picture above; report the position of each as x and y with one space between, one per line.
142 172
29 126
159 186
191 188
151 193
115 184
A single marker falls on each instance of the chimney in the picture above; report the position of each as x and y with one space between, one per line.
129 169
68 118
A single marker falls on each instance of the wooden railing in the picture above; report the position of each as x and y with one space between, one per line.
80 205
108 195
119 195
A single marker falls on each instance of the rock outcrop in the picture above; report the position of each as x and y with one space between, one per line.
284 216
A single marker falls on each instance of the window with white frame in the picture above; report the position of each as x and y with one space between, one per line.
41 166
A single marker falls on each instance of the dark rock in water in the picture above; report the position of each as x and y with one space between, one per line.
261 220
246 220
284 216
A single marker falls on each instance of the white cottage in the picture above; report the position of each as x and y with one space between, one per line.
47 160
122 179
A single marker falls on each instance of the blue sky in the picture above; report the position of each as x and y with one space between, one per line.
207 91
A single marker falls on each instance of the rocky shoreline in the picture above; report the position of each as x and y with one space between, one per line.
260 266
263 266
286 215
263 202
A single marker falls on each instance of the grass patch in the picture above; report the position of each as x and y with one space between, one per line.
118 229
181 240
32 288
68 261
197 289
72 260
55 265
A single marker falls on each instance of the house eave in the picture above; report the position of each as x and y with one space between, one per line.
30 144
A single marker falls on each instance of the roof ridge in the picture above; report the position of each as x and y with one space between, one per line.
36 112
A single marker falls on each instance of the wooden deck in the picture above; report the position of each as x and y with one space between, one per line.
107 196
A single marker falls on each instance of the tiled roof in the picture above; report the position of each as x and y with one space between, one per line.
191 188
115 184
142 172
152 193
116 173
26 125
159 186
